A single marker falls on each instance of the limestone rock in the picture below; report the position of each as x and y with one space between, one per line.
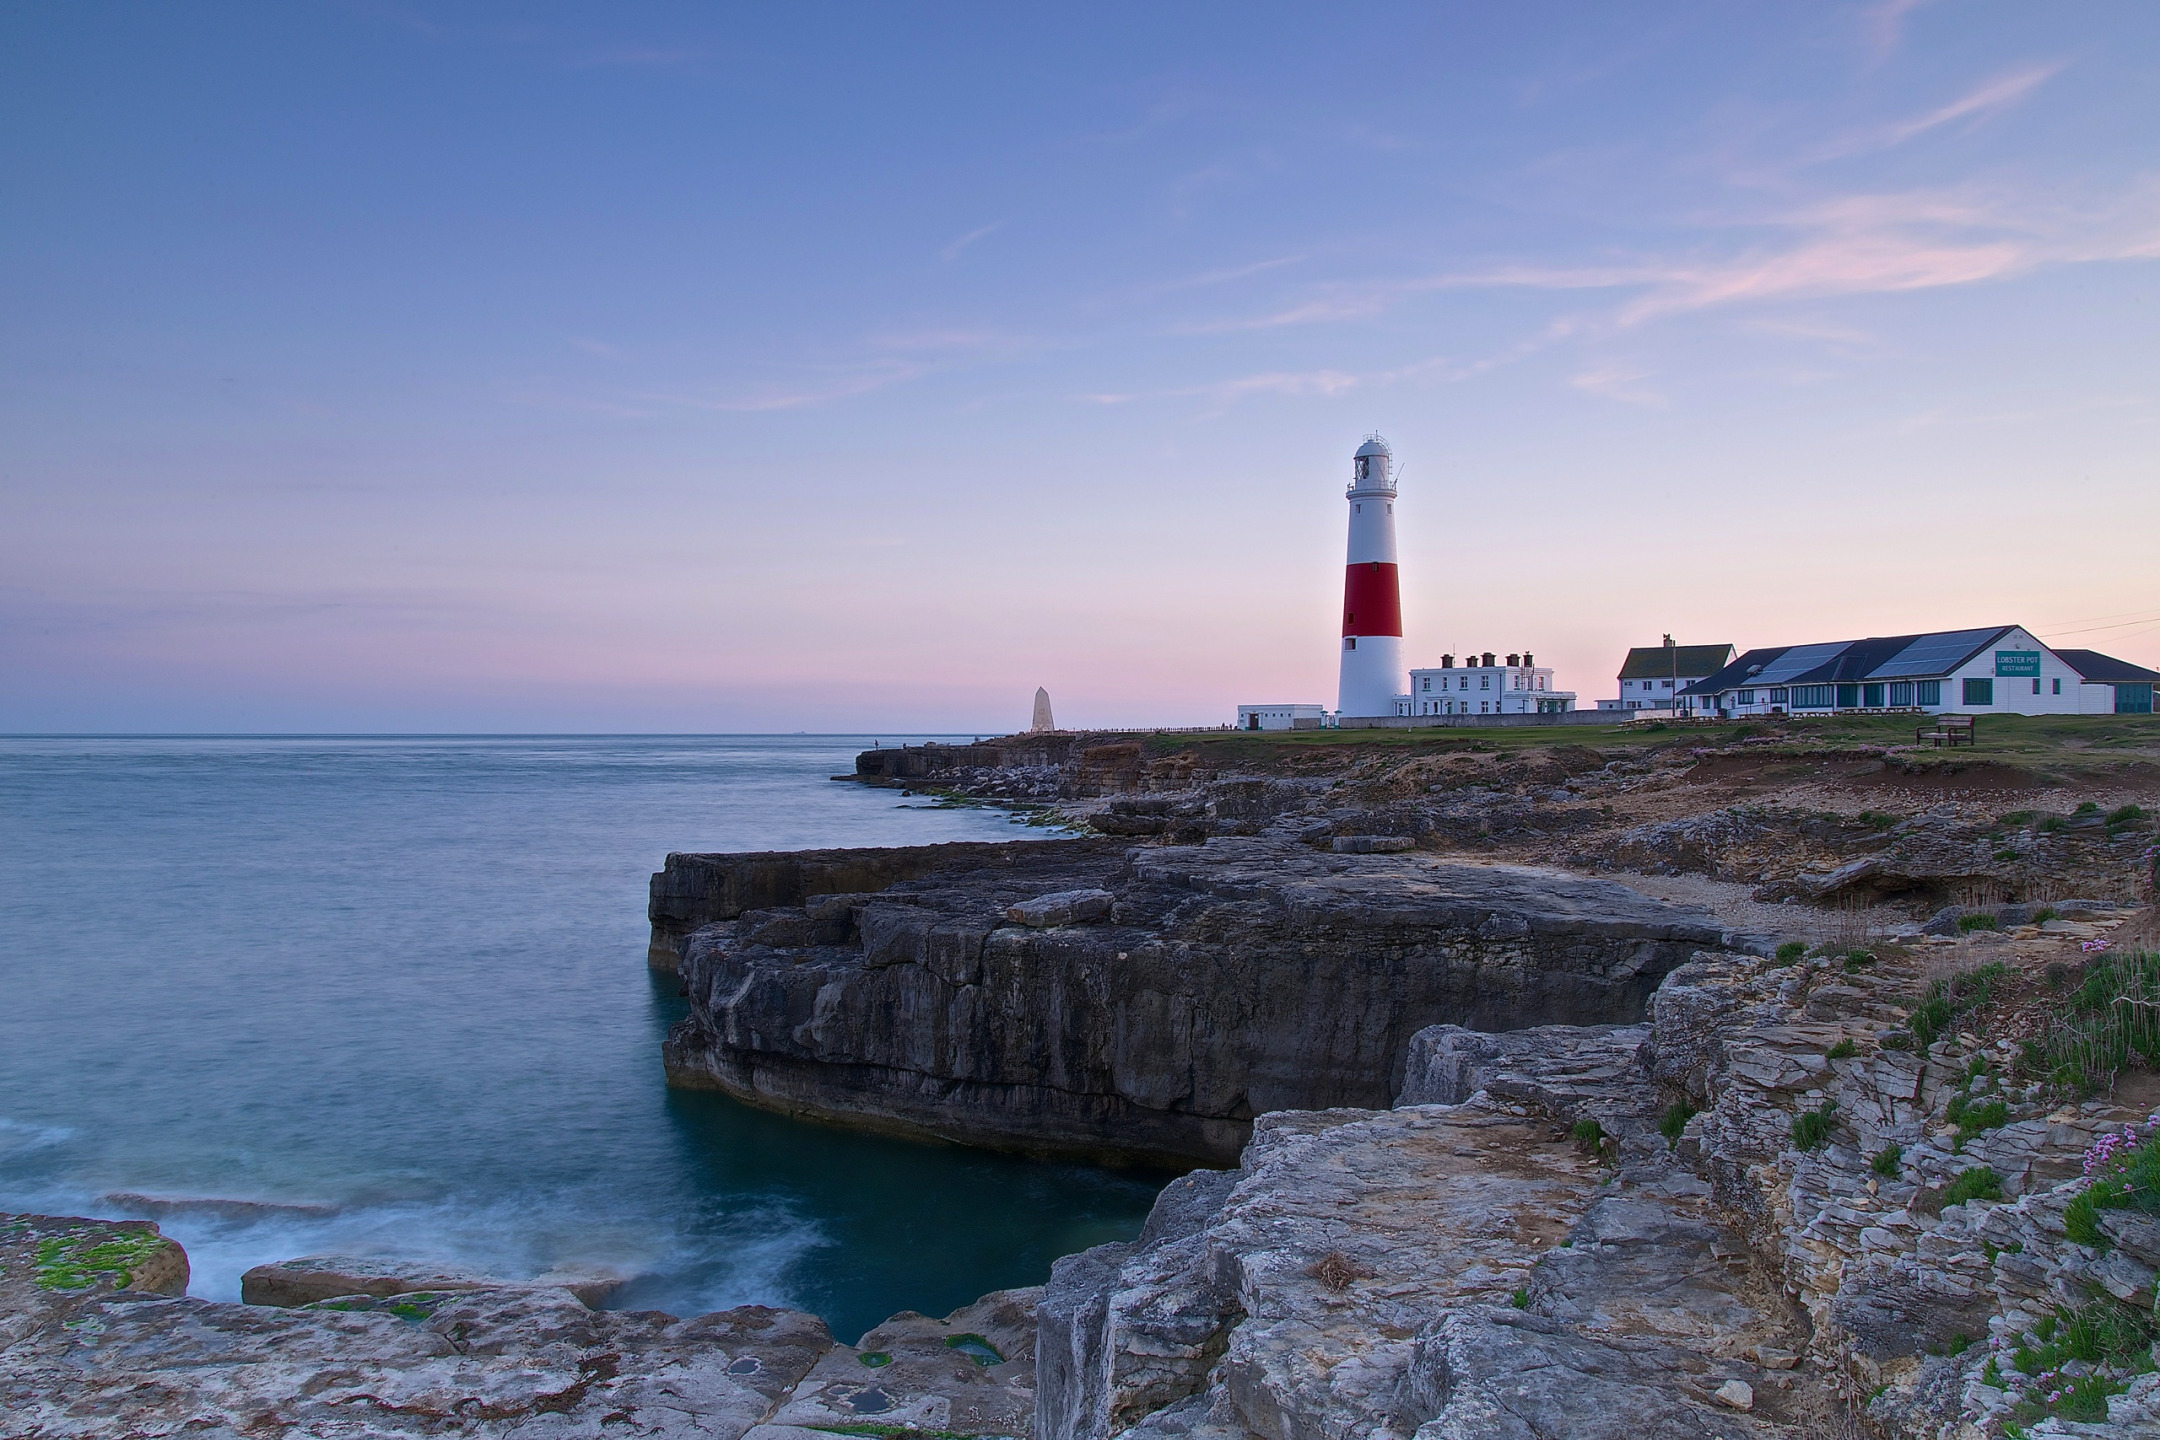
1228 979
1066 907
323 1277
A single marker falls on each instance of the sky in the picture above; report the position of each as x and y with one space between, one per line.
528 367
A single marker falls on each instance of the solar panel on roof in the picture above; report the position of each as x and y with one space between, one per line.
1798 661
1934 654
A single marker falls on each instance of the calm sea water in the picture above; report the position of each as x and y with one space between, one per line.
388 996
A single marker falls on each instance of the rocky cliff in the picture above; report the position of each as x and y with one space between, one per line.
1548 1238
1140 1004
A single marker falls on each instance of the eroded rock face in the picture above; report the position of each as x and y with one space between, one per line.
1448 1272
1226 980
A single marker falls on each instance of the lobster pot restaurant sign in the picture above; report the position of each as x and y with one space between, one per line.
2017 662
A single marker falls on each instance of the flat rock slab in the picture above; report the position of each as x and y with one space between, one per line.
322 1277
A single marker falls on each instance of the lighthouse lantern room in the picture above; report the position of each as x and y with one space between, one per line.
1372 655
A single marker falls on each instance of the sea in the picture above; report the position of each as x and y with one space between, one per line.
387 996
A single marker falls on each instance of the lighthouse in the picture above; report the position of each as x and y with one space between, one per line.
1372 658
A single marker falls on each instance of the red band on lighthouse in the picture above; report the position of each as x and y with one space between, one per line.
1372 599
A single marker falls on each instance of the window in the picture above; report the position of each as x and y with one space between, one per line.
2058 687
1484 682
1349 642
1743 697
1979 692
2036 684
1427 685
1667 684
1848 697
1901 692
1871 697
1930 693
1779 695
1817 697
1462 682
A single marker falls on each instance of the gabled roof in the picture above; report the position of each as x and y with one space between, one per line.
1879 657
2099 669
1658 662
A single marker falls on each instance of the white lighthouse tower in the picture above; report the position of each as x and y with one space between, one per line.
1372 658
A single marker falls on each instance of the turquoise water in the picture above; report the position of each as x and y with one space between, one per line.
389 996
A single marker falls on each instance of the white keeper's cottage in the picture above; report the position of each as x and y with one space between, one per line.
2003 670
1485 685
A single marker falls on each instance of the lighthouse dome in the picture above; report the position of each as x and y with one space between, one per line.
1370 467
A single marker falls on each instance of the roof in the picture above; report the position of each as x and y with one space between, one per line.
1879 657
2100 669
1374 445
1655 662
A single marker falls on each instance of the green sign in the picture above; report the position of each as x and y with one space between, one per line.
2017 662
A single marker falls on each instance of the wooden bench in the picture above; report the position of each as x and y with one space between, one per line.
1949 730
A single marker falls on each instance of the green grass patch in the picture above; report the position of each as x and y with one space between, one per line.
1791 952
1953 996
1845 1049
77 1262
1520 1299
1589 1136
1811 1128
2126 814
1888 1160
1970 923
1978 1183
1677 1115
2094 1033
2108 1341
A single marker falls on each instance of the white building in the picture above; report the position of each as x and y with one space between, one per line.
1655 677
1486 685
1281 717
2111 686
2003 670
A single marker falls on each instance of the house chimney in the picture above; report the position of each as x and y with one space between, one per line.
1447 662
1527 661
1488 659
1514 659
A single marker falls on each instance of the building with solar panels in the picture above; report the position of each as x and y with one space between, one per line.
2003 670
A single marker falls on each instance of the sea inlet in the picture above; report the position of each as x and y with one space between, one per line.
387 995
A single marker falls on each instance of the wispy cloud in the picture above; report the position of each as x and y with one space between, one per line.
1984 100
1883 26
1854 244
1301 384
952 252
1619 382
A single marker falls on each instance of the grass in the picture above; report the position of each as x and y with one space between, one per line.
1978 1183
1791 952
1973 1118
1970 923
1676 1117
2113 1015
2130 1180
2105 1338
1887 1161
77 1262
1953 996
1811 1128
1845 1049
1589 1136
2056 745
2126 814
1520 1299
